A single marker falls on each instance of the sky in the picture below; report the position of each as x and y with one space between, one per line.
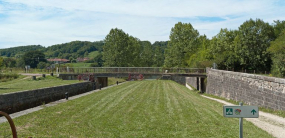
50 22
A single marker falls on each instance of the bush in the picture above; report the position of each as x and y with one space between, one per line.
8 77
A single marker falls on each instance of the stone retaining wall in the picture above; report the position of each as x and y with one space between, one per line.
252 89
179 79
17 101
193 82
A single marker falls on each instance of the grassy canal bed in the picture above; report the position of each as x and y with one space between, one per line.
27 83
134 109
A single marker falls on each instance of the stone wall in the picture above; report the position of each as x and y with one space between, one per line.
193 82
17 101
198 83
179 79
252 89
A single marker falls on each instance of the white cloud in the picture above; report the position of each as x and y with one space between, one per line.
52 22
156 8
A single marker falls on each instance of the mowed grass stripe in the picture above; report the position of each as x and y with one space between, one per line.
134 109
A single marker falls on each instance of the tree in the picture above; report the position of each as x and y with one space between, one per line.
222 49
277 50
32 58
98 60
278 26
16 51
41 65
20 63
116 48
9 62
182 44
158 57
254 40
202 58
146 54
1 61
134 50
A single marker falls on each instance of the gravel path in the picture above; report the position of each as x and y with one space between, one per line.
270 123
31 74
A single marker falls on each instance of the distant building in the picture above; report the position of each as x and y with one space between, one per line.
82 59
58 60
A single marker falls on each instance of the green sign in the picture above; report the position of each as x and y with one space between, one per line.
229 111
240 111
253 111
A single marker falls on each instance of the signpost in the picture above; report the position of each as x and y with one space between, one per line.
240 112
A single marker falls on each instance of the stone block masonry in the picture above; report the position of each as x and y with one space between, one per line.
18 101
252 89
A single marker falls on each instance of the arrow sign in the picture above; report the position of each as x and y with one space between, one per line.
241 111
253 111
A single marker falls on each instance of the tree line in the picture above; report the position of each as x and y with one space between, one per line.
255 45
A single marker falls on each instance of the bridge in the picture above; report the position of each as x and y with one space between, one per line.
102 73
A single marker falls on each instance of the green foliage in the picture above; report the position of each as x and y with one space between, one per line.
8 77
41 65
122 50
202 57
278 26
245 48
277 50
93 54
116 49
19 51
159 49
133 52
1 61
20 63
32 58
182 44
73 49
9 62
255 37
96 61
147 54
222 48
158 57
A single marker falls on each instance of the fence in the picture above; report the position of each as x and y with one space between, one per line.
148 70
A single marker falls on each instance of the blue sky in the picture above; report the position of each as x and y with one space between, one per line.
49 22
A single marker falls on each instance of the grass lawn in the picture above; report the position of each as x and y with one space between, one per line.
79 64
112 81
93 54
134 109
29 84
22 84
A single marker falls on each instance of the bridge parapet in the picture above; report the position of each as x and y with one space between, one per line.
131 70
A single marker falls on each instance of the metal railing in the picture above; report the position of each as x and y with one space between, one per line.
142 70
12 125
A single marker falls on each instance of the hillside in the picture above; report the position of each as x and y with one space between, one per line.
20 50
66 50
73 49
